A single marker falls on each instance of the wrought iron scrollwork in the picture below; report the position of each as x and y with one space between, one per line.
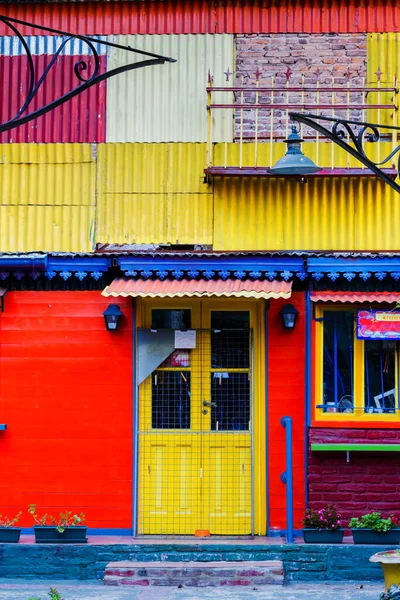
36 81
357 133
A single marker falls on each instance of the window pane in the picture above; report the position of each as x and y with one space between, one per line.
230 347
379 377
171 400
230 392
338 361
170 319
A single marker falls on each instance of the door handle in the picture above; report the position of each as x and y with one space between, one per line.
213 404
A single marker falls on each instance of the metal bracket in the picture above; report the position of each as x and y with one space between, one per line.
283 477
36 80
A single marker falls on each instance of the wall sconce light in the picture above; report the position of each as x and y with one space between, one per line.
112 315
289 315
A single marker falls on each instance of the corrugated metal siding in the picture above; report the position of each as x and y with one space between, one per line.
325 214
81 119
167 103
383 51
140 204
47 198
159 17
328 296
48 44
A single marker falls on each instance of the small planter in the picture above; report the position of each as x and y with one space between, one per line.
390 563
367 536
9 535
45 534
323 536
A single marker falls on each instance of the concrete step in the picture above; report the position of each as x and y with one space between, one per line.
194 574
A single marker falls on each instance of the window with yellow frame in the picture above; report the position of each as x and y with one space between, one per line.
356 380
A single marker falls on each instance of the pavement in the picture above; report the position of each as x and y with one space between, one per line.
96 590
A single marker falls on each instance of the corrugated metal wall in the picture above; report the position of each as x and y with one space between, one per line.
166 204
47 197
325 214
200 16
167 103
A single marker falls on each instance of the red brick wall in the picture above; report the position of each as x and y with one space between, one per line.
330 55
369 481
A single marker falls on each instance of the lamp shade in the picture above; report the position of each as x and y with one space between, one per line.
294 162
289 315
112 315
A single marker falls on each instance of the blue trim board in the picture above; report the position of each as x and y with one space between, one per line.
266 313
3 426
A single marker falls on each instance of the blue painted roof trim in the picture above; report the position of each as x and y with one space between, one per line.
350 268
240 267
77 266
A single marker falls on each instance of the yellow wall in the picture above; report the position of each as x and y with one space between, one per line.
69 197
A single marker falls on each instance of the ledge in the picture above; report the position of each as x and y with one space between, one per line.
355 447
3 427
265 172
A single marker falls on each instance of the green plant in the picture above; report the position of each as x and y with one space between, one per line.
374 521
326 518
5 522
54 595
64 520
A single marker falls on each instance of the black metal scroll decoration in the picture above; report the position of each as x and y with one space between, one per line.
358 132
36 81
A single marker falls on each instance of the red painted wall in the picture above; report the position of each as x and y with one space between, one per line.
66 397
369 481
286 371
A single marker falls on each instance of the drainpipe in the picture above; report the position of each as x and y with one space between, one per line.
287 478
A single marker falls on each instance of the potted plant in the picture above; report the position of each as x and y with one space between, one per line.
68 528
372 528
9 534
322 526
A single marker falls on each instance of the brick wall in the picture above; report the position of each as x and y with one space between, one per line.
323 55
369 481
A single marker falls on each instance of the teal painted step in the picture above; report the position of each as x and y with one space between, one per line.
194 574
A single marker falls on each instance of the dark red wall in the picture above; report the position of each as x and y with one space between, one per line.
66 397
369 481
286 369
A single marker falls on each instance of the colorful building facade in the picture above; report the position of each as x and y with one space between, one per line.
152 191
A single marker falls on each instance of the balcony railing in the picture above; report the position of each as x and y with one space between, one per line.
249 139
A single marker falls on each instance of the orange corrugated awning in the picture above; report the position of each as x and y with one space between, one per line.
352 297
198 288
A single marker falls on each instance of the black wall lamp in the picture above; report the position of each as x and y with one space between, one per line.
289 315
112 314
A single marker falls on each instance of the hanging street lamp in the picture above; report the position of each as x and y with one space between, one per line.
294 162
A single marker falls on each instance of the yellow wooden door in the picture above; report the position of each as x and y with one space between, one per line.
195 423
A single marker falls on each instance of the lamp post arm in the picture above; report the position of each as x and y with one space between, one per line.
340 129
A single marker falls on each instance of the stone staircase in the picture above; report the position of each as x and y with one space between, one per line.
194 574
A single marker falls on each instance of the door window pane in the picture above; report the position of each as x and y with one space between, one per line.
230 348
338 361
379 376
171 400
230 397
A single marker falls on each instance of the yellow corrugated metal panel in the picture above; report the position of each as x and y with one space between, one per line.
152 168
167 103
324 214
46 228
383 55
47 197
154 219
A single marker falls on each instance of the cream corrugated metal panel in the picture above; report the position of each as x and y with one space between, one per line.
152 168
46 228
167 103
47 174
326 214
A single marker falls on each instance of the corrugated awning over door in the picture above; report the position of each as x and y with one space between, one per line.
197 288
327 296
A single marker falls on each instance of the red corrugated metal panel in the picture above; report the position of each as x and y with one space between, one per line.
202 288
355 297
205 16
81 119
